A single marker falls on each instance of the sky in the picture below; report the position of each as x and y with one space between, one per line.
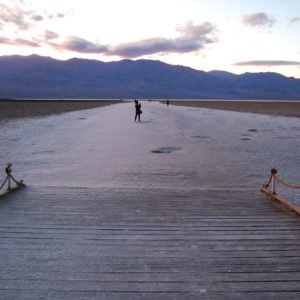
237 36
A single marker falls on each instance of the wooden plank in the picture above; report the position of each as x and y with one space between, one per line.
106 243
15 187
281 200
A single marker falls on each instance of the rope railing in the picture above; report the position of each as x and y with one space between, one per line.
274 178
273 194
9 179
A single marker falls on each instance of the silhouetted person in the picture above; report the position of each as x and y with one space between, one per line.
168 102
138 110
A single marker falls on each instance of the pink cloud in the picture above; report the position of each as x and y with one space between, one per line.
258 19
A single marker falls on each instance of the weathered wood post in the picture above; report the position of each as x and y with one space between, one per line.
8 171
273 172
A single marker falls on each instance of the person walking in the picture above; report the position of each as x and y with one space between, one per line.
138 110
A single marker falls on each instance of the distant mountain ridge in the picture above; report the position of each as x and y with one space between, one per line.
44 77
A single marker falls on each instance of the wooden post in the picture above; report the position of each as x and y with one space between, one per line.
8 171
273 172
273 185
9 183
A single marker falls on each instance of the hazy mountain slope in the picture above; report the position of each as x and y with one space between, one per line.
43 77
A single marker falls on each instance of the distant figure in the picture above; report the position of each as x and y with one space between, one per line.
138 110
168 102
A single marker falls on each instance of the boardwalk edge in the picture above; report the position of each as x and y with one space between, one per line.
282 200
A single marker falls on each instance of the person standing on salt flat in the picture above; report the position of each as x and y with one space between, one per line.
138 110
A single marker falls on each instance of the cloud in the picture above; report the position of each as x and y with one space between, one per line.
56 16
258 19
14 15
294 20
50 35
23 18
268 63
81 45
4 40
19 42
192 38
24 42
140 48
37 18
60 15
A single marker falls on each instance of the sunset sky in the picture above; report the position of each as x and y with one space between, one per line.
233 35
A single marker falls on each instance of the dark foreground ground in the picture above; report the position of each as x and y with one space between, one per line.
33 108
279 108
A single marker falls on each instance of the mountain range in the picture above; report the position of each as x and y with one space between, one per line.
37 77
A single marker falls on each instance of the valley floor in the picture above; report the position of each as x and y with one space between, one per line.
279 108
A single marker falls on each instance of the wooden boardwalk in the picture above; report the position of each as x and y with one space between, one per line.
147 244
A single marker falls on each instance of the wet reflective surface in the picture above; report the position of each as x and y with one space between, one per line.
172 147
